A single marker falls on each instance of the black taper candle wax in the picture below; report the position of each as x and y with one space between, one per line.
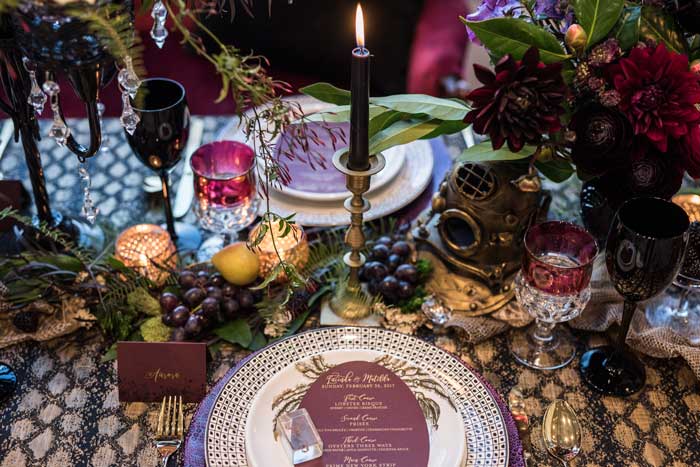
359 110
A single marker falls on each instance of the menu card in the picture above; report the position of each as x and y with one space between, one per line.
367 417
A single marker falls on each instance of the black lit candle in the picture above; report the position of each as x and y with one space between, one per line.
359 110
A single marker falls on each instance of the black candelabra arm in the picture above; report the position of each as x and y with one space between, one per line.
93 117
15 83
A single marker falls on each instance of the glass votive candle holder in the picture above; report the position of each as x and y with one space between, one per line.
225 186
293 248
690 204
148 249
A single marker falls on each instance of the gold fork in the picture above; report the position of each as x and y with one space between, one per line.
171 427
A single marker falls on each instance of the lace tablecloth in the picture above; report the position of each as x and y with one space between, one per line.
66 410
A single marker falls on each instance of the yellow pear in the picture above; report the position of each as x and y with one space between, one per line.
238 264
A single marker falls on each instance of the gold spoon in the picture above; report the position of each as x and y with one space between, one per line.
561 431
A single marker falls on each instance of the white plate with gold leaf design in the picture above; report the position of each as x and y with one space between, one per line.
239 429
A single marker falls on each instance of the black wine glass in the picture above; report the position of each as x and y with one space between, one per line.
159 139
644 252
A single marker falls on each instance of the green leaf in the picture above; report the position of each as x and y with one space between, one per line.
341 113
110 355
327 93
484 152
402 132
597 17
387 118
628 27
443 109
557 170
259 341
695 48
660 26
235 332
514 36
214 348
448 127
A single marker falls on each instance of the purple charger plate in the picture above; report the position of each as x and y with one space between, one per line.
193 450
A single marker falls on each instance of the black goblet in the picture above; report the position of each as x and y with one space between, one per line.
644 252
160 137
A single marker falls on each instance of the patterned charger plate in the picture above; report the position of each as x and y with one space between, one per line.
484 426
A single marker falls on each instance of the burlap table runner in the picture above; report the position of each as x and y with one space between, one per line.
604 310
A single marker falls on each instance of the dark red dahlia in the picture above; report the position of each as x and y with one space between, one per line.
658 94
690 151
519 102
603 139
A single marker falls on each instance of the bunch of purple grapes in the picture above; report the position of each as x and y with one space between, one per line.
389 271
207 300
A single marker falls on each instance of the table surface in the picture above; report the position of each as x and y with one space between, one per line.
66 410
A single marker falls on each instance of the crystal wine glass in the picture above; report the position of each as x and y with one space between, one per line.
644 252
679 306
158 141
225 191
553 286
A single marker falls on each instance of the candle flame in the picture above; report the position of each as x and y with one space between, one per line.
359 27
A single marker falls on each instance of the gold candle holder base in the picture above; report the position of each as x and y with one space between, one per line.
351 302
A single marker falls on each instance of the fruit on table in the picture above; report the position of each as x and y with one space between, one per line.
237 264
204 301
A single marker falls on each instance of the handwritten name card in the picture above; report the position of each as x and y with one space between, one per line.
148 371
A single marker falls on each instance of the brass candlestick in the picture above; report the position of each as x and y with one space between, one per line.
348 302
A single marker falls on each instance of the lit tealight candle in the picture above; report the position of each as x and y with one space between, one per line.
148 249
293 247
690 204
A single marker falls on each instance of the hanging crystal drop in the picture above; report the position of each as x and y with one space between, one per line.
37 98
158 32
129 119
104 147
128 79
159 12
51 88
59 131
88 211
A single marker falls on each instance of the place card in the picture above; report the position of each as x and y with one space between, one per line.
148 371
367 417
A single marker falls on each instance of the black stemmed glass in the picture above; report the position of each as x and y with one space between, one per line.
159 139
645 248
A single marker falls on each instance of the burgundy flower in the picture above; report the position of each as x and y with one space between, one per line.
690 151
603 139
658 94
519 102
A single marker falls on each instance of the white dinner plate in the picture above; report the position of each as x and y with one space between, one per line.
227 437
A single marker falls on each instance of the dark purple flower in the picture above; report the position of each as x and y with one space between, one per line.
649 173
603 139
550 8
491 9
